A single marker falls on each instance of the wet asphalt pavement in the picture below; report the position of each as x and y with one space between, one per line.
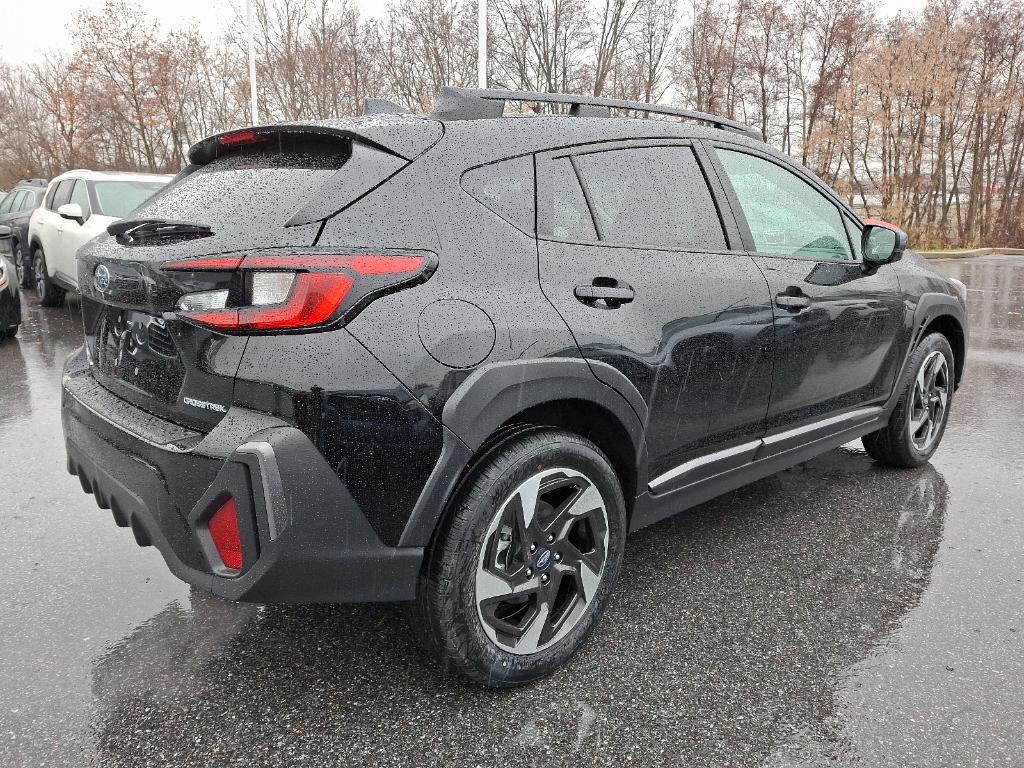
835 614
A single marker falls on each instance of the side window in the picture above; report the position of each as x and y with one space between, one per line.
564 213
8 202
50 192
27 200
786 215
19 198
80 195
63 193
506 187
655 196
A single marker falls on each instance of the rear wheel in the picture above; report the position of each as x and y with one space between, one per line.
919 420
22 268
50 294
525 561
8 333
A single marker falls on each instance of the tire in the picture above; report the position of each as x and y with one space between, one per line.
50 294
564 581
22 268
919 420
8 333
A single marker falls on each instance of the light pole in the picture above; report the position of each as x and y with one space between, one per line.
481 57
253 113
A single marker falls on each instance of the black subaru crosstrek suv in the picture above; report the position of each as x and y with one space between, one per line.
453 359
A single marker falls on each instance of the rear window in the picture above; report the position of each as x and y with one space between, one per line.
506 187
655 196
255 184
119 198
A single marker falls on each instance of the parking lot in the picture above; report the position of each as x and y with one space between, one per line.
837 613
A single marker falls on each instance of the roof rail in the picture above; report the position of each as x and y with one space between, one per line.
483 103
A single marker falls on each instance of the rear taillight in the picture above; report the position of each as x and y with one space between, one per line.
223 527
295 291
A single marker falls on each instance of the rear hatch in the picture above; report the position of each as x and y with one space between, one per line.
257 194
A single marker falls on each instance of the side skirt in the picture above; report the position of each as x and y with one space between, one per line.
693 483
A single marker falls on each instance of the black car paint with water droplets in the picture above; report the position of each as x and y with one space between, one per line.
692 360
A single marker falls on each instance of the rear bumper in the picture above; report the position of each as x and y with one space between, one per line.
304 537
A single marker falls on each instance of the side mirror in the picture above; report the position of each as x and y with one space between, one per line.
5 232
72 211
882 243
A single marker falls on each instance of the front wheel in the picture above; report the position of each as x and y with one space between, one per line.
919 419
50 294
525 561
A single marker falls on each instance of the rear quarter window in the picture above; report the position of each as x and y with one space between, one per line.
506 188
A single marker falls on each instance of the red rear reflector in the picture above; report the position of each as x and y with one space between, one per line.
223 528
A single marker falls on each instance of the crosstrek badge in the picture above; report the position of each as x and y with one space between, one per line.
205 405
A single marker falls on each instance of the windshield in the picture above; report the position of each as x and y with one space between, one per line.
119 198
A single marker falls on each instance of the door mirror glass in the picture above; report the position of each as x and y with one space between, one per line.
72 211
882 243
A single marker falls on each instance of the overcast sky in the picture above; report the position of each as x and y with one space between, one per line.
31 27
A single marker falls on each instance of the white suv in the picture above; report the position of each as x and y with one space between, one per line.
78 206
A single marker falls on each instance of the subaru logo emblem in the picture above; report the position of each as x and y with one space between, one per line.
543 560
101 277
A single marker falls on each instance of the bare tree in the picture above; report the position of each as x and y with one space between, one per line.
540 44
919 120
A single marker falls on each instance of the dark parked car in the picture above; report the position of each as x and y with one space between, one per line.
15 212
10 300
453 359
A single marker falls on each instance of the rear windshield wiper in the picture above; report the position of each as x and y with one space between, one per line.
134 230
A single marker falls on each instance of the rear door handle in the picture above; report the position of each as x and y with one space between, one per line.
792 303
605 296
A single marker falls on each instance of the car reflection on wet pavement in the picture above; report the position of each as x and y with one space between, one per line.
837 613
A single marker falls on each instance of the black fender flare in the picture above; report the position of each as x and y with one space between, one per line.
929 307
495 393
933 305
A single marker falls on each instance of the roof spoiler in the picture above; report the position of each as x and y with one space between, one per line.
404 136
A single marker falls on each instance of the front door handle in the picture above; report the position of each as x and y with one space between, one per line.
791 302
605 293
